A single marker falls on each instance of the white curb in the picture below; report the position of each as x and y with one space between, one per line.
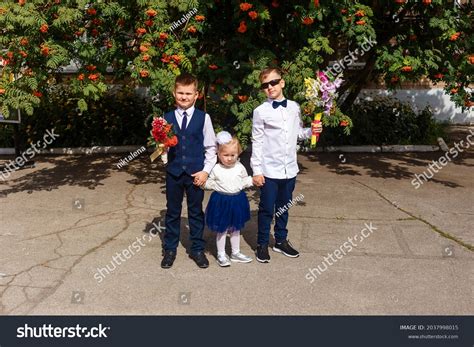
329 149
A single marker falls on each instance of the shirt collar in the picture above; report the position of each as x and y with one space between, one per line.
189 111
271 100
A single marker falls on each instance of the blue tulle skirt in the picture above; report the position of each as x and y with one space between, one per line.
226 211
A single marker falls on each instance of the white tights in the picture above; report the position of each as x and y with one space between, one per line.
234 242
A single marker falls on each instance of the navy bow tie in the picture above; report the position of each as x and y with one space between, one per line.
275 103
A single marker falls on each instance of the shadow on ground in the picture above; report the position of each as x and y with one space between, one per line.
90 171
385 165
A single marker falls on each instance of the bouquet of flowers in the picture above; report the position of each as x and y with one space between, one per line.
162 137
321 95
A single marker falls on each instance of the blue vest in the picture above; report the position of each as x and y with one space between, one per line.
188 155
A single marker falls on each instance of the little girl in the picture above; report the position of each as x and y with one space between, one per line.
228 208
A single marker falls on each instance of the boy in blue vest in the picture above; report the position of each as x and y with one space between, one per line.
189 164
276 127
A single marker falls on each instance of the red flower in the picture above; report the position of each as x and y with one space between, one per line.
162 133
344 11
213 67
200 18
10 55
454 36
171 142
21 2
146 57
192 29
23 54
454 91
360 22
242 27
95 32
93 77
24 41
141 31
2 91
242 98
80 77
143 48
144 73
316 3
176 58
44 28
412 37
394 79
470 59
44 50
37 94
407 68
438 76
165 58
344 123
308 21
96 21
163 36
360 13
469 103
253 15
91 11
149 23
245 6
151 13
91 67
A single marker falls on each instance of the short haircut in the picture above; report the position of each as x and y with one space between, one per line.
186 79
267 71
234 142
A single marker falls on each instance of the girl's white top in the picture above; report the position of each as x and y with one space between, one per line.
228 180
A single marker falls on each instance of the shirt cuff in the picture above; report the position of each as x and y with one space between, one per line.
257 171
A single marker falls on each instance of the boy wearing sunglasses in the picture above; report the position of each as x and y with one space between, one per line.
276 128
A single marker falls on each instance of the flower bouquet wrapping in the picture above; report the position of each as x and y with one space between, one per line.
162 137
321 95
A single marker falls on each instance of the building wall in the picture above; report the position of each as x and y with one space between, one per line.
443 108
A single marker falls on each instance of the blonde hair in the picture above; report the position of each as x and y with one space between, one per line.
233 142
268 71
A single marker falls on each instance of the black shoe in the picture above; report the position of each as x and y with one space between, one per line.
262 254
200 259
168 259
287 249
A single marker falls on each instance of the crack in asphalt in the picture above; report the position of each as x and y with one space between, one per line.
432 227
47 291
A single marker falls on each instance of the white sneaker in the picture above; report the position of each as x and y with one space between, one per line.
223 260
240 258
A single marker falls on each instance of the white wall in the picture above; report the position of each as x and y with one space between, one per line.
443 108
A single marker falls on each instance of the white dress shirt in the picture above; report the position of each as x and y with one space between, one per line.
228 180
274 136
209 136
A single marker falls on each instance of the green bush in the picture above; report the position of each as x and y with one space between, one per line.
386 121
119 118
123 118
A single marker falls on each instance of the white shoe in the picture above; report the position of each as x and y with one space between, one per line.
240 258
223 260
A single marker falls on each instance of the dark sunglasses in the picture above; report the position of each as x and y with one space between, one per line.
271 83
